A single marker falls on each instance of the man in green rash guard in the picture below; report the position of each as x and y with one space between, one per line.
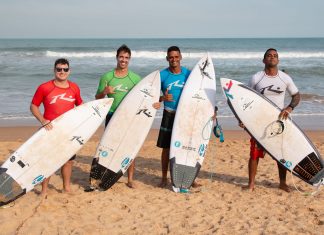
116 84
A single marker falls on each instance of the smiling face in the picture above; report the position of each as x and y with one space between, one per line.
62 72
174 58
123 60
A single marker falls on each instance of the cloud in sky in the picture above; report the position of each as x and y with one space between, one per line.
160 19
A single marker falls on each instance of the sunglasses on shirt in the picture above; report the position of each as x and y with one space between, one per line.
64 69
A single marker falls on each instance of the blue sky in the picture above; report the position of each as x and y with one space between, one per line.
161 19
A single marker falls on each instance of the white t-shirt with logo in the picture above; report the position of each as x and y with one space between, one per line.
273 87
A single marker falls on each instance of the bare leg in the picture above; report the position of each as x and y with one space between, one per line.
253 166
45 187
130 174
66 172
282 177
165 166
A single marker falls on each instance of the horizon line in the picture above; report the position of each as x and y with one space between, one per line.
115 38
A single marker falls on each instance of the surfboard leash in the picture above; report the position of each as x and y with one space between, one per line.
218 132
318 187
280 130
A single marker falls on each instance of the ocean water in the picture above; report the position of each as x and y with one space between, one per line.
26 63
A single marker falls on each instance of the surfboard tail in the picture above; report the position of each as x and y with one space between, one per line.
310 169
101 177
10 190
182 176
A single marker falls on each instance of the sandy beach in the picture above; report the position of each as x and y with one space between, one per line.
219 206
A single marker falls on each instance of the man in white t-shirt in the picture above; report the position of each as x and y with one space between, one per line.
272 83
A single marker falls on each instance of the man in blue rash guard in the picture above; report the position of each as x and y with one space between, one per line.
173 79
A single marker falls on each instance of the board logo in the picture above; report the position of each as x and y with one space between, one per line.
104 153
146 92
189 148
288 164
78 139
125 162
202 149
247 105
198 96
177 144
227 89
144 111
96 109
38 179
202 69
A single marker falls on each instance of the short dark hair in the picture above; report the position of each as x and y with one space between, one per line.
267 51
123 48
61 61
173 48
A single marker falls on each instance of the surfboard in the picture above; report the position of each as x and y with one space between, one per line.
192 125
46 151
282 139
125 133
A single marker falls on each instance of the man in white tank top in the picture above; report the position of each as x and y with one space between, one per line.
272 83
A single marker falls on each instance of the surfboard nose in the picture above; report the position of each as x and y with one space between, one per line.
9 188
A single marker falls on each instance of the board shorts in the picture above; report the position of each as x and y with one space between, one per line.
256 151
108 117
164 139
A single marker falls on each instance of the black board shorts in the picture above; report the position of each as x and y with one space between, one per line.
164 138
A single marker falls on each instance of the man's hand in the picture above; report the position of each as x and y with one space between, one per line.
241 125
285 113
47 125
168 97
109 90
157 105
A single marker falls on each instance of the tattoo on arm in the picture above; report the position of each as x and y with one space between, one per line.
295 99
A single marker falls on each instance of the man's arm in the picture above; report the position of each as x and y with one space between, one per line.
36 112
295 99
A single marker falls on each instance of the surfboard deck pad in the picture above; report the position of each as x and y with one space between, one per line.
101 177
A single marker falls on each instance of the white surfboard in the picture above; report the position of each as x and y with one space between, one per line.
46 151
125 132
192 125
282 139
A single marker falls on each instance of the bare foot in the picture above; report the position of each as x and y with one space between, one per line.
43 195
248 188
68 192
131 185
284 187
195 184
163 183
